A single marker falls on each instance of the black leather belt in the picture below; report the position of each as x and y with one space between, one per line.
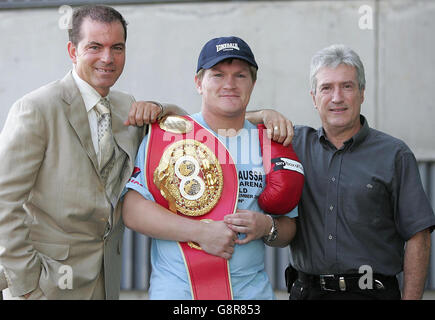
346 282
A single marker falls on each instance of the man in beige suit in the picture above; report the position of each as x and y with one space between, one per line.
60 222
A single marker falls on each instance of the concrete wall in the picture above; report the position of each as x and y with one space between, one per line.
164 41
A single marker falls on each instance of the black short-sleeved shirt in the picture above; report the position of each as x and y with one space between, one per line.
359 204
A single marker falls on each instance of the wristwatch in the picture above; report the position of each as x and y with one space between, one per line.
273 233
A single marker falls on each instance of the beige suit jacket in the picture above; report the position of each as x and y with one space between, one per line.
54 212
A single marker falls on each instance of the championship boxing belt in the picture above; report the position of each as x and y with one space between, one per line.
284 176
191 173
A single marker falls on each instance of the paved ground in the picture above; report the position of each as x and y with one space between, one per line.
280 295
429 295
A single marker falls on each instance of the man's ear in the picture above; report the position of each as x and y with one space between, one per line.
72 51
198 84
313 96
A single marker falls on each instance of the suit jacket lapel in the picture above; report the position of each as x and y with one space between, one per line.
124 137
75 111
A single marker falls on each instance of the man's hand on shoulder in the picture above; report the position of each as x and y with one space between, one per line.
143 112
148 112
279 128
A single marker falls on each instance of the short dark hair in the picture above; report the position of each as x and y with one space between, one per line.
252 69
96 13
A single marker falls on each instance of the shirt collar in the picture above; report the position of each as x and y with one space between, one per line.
247 125
362 134
90 95
353 142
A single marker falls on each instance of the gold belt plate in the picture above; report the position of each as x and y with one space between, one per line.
189 177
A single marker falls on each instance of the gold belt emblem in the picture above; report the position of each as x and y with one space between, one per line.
189 177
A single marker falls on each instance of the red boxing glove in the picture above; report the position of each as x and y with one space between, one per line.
284 176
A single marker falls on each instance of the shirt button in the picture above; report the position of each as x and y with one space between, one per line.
330 237
331 208
333 179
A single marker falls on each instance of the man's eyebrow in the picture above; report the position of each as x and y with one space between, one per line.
215 68
93 43
328 83
349 82
324 84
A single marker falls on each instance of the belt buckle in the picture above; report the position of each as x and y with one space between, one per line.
323 283
342 284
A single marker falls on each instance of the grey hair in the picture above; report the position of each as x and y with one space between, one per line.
332 57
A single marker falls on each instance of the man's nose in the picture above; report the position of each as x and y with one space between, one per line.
229 82
107 56
337 95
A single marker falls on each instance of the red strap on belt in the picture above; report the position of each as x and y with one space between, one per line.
209 275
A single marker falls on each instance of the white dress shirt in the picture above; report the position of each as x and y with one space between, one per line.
90 97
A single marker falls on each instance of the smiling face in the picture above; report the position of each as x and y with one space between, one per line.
338 99
99 57
226 88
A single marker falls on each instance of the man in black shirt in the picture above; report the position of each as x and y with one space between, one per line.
363 216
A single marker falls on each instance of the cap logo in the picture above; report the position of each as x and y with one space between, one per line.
227 46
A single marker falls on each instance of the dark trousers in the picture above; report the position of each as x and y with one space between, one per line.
304 288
